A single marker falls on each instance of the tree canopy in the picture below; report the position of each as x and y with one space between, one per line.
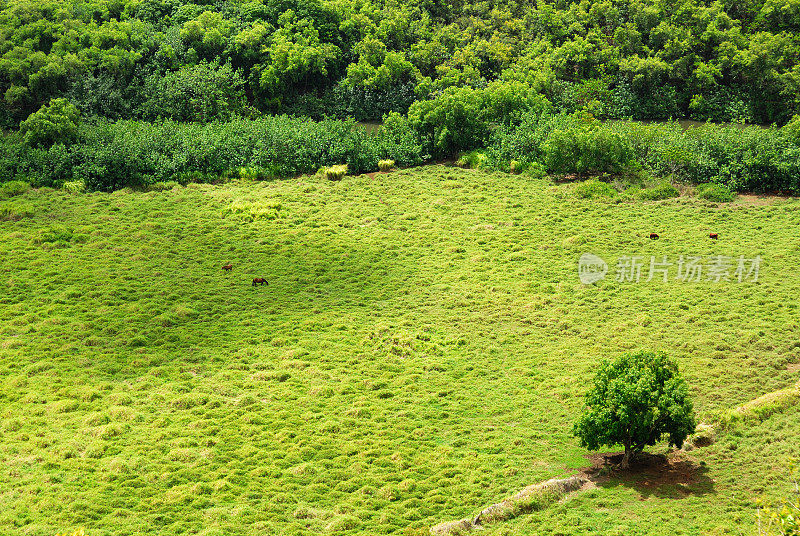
634 401
364 58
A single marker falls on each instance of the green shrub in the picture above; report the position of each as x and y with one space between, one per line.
591 95
385 165
135 154
535 171
399 141
13 188
203 92
715 192
740 158
648 99
452 121
56 122
524 141
594 189
334 173
662 191
584 146
792 130
459 118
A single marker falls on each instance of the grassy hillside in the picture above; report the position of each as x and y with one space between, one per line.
419 353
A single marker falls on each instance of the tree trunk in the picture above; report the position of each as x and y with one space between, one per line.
627 458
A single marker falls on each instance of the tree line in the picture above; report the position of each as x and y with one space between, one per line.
214 60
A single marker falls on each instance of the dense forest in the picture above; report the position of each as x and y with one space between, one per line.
115 93
645 59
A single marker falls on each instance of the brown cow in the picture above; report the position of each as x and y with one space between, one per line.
228 267
653 236
713 236
259 281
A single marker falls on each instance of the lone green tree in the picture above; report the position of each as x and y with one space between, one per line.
634 401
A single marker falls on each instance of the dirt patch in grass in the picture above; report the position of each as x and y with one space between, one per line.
758 200
651 474
375 174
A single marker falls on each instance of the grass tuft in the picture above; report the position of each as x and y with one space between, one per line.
385 165
334 173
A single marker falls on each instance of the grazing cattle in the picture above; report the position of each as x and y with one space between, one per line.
259 281
713 236
653 236
228 267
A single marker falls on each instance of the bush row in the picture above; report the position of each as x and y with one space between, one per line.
742 158
107 156
518 127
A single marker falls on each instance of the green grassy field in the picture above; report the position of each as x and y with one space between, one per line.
420 352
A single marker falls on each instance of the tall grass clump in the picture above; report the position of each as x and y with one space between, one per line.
334 173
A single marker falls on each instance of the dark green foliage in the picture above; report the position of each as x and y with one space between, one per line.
659 102
468 75
400 141
591 95
645 60
524 142
136 154
724 104
792 130
743 159
460 119
450 122
360 103
740 158
202 92
564 144
585 146
634 401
